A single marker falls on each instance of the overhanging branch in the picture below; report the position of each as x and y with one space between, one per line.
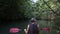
50 8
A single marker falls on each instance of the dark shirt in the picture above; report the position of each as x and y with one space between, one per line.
33 29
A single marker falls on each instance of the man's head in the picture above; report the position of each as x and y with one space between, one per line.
33 20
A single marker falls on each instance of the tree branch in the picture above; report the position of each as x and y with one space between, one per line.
50 8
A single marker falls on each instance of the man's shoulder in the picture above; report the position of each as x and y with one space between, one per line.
37 25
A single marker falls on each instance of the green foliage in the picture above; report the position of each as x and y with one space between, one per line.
8 9
57 20
12 9
38 9
58 1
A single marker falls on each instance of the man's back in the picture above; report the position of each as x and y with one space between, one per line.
33 29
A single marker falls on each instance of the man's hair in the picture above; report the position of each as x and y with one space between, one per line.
33 20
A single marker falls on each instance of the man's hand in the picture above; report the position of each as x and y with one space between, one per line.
25 31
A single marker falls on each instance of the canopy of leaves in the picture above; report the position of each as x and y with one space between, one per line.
15 9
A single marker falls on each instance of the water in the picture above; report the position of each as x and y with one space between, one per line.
5 28
22 25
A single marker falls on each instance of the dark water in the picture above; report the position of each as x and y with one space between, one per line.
22 25
4 29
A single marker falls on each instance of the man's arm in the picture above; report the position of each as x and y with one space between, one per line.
26 30
38 28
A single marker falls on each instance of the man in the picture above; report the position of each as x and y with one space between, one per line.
32 28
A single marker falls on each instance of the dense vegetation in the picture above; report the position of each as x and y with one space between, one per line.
21 9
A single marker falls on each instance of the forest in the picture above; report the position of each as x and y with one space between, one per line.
12 10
